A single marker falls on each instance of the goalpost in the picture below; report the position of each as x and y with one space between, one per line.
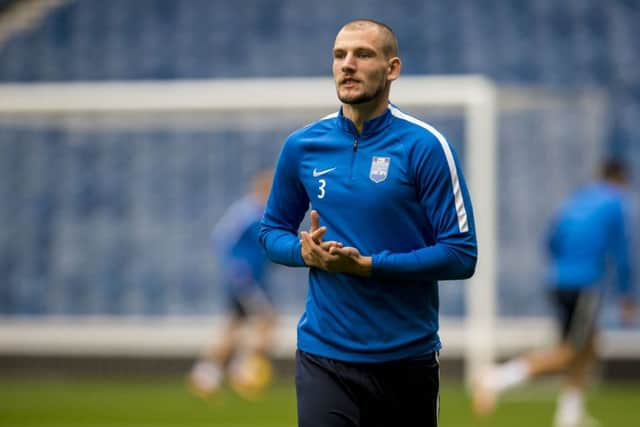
473 99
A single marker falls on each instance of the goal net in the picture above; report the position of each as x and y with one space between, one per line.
110 191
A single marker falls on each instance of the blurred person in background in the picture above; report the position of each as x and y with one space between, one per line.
242 350
397 218
590 229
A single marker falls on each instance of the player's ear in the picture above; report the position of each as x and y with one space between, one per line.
393 69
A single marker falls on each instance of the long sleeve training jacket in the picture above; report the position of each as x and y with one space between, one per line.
590 229
395 192
241 258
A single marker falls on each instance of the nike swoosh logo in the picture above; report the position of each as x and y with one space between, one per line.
317 173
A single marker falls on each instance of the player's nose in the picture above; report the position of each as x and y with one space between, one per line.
348 63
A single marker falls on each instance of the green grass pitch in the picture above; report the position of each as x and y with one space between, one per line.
163 403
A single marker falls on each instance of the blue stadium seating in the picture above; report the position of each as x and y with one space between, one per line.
118 221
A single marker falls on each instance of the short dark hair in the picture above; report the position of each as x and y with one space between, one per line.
614 169
389 42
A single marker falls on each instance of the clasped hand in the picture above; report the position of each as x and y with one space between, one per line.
331 255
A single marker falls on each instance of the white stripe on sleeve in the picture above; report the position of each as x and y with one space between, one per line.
463 224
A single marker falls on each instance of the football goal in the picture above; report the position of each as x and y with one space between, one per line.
111 190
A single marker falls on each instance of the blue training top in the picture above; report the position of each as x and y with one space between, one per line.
235 242
396 193
588 230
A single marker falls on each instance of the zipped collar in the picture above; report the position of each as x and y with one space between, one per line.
371 127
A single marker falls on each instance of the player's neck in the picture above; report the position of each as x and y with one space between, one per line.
360 113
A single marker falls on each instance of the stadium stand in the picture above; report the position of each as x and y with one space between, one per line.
59 187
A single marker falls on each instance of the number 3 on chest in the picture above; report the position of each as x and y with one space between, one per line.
321 188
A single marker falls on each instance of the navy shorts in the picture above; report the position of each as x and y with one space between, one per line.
332 393
577 312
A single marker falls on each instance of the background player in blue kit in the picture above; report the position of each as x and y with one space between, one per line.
391 217
590 228
242 263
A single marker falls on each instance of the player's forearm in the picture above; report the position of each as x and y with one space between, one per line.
282 247
623 269
438 262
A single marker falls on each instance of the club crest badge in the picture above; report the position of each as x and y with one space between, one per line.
379 169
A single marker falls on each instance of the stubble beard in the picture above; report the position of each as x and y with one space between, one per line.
364 97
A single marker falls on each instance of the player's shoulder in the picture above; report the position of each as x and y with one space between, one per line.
419 133
605 192
319 127
242 210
